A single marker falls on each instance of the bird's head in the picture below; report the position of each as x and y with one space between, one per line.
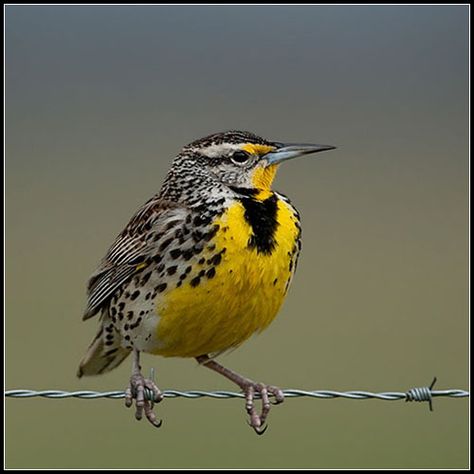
243 159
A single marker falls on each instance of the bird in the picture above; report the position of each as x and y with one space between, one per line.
203 265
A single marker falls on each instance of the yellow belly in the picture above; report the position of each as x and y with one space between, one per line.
242 298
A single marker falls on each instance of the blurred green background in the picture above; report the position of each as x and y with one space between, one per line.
100 99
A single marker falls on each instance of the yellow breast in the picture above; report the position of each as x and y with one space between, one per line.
243 296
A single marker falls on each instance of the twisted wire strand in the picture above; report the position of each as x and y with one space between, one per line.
414 394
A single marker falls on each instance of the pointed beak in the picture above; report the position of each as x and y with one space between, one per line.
288 151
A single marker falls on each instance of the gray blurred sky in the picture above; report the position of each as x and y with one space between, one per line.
170 73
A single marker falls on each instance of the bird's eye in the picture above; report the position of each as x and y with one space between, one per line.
240 157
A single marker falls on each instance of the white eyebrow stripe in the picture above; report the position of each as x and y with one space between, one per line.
222 149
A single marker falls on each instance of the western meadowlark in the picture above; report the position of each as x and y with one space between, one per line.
200 267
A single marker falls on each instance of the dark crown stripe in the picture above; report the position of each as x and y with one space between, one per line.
231 136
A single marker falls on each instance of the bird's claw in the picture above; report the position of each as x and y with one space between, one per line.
257 421
259 430
136 391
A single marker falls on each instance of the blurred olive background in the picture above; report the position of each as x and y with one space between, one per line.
100 99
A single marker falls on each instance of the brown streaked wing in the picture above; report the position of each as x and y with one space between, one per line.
130 249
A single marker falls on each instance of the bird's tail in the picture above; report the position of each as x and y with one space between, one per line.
101 357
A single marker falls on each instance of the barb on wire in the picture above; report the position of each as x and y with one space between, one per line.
415 394
422 394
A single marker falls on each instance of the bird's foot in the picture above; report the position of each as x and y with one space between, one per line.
251 390
143 401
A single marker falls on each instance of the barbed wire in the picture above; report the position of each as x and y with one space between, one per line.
420 394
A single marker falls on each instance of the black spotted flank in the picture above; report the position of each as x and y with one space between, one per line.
146 278
197 235
187 254
216 259
175 253
165 244
202 220
211 233
171 270
211 273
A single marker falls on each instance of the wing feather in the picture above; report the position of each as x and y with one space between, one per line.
130 249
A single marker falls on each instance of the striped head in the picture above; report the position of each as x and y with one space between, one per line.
233 159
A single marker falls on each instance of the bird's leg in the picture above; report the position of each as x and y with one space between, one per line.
250 389
136 390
